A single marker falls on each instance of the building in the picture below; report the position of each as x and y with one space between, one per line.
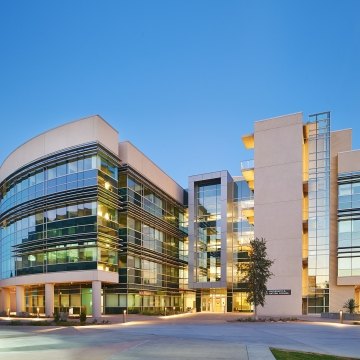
300 193
220 230
88 221
298 174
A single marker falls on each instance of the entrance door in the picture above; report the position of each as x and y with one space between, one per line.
205 303
218 304
215 301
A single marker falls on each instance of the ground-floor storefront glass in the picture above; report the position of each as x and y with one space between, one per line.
35 299
144 301
221 300
71 298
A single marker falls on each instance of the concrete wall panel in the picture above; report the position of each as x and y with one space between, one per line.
278 207
132 156
82 131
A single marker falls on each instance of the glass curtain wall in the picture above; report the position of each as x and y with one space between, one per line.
208 232
133 191
318 220
349 224
243 232
71 235
153 263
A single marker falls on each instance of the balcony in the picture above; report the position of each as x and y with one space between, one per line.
247 170
248 141
249 214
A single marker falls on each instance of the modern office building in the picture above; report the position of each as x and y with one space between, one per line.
220 229
305 206
86 221
300 192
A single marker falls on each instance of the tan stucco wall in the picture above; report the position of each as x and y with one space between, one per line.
131 155
62 277
349 280
78 132
348 160
278 207
339 141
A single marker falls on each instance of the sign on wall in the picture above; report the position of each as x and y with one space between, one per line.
279 292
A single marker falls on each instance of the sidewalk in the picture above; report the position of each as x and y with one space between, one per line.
191 318
256 352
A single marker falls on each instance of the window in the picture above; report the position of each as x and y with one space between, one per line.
72 167
61 213
51 173
51 215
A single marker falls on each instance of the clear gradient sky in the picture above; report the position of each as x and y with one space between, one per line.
181 79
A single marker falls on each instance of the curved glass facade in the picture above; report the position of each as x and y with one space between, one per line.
74 210
60 215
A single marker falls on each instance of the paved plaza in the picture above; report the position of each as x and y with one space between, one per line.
192 336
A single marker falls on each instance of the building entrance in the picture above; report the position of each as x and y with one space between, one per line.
213 300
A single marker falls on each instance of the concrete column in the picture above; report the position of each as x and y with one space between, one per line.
5 300
96 299
20 299
49 299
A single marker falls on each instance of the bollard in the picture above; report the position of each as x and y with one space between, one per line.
38 312
341 316
124 316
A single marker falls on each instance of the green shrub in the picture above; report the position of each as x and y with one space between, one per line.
133 311
56 315
83 315
350 306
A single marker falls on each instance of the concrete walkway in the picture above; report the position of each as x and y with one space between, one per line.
255 352
188 336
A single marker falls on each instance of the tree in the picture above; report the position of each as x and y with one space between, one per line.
350 306
257 273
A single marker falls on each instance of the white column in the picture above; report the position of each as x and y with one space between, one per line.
5 300
20 300
96 299
49 299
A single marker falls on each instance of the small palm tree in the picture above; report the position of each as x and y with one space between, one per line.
350 306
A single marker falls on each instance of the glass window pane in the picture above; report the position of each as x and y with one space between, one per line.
72 211
51 173
61 213
87 163
61 170
51 215
72 167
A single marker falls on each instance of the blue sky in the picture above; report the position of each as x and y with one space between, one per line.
182 80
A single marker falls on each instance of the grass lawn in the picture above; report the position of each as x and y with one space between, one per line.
297 355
